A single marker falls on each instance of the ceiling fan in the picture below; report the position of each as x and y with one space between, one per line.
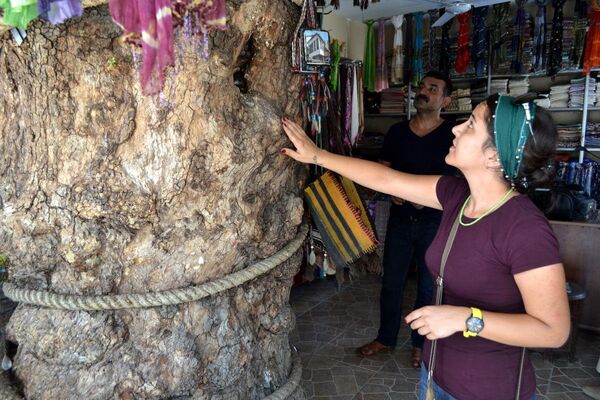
454 8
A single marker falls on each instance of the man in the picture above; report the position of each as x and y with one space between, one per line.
416 146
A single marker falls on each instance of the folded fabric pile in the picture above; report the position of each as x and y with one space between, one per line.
518 87
577 91
543 101
393 101
499 86
592 135
559 96
478 93
461 100
569 136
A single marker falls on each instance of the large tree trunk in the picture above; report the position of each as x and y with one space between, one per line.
105 191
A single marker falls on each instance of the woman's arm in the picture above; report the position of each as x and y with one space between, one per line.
420 189
546 321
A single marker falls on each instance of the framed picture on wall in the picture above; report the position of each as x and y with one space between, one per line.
316 47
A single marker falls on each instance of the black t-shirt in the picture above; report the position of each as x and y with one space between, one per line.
408 152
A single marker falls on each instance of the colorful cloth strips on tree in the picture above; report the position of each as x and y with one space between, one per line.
149 25
58 11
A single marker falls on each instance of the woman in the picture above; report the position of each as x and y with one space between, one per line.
504 284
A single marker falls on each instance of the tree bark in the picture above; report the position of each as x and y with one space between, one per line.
106 191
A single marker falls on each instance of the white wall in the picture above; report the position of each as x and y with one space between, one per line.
351 34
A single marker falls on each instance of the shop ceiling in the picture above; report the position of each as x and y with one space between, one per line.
388 8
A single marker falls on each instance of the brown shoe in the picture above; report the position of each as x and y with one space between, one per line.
373 348
415 357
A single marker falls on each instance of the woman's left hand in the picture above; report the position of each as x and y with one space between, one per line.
437 322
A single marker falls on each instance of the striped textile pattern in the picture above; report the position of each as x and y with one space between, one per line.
345 228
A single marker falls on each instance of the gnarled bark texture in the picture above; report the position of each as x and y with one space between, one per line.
105 191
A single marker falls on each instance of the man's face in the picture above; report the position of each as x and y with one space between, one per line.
430 95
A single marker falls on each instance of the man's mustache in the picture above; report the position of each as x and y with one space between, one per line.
422 96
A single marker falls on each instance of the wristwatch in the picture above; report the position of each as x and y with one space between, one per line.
474 324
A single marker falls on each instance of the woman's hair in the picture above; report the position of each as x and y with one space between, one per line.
539 164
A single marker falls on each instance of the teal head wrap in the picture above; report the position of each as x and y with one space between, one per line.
513 123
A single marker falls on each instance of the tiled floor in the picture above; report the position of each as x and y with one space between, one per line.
332 323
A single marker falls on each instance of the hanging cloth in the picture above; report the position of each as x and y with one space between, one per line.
370 60
361 112
334 76
539 36
408 45
445 48
152 23
464 55
398 57
346 89
480 44
355 122
19 13
381 82
518 38
58 11
417 70
501 19
591 58
579 30
434 33
555 54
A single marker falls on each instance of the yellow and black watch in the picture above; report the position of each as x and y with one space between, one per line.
474 324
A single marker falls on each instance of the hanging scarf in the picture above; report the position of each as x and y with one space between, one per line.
417 70
579 31
518 37
369 62
479 51
346 89
150 23
591 58
19 13
555 55
501 18
511 131
355 123
398 58
463 58
445 49
334 76
539 53
381 81
58 11
408 45
434 33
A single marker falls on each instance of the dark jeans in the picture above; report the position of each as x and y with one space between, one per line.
406 237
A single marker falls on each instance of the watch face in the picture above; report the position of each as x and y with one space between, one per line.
474 324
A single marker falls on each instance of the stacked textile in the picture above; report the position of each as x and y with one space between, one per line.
499 86
577 91
461 100
569 136
592 135
393 101
543 101
478 93
518 87
559 96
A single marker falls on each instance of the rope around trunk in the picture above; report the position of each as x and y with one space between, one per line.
154 299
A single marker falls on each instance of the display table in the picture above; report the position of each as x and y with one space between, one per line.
580 251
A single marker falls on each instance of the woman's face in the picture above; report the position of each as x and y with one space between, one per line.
467 151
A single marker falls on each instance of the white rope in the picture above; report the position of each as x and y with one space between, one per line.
154 299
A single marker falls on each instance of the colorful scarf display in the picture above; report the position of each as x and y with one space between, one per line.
334 75
370 67
464 55
498 35
417 57
555 53
518 37
433 59
480 43
591 58
398 57
539 37
381 80
19 13
445 49
58 11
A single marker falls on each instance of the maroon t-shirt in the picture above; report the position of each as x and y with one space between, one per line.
480 273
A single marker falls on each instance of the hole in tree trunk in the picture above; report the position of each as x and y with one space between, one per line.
240 79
